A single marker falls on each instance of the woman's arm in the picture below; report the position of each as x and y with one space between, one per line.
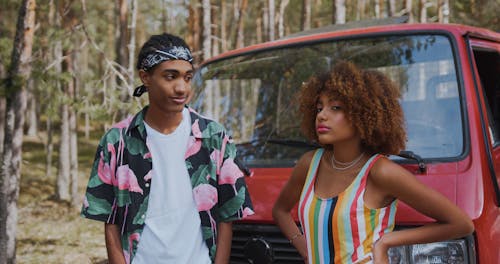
288 198
224 237
113 244
394 181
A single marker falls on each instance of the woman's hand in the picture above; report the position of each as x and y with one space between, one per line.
379 251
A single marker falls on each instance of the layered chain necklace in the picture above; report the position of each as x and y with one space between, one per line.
345 165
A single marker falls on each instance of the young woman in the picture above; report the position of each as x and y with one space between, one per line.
348 190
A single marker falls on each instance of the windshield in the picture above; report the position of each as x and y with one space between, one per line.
254 95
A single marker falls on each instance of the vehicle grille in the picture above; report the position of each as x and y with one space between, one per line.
284 252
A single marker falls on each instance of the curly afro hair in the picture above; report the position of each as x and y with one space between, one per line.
371 103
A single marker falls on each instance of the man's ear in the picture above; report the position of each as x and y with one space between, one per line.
145 77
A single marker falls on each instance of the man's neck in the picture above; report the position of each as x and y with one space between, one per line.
162 122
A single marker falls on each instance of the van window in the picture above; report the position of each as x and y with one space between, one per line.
254 95
488 66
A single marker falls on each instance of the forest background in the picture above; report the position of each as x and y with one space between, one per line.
67 71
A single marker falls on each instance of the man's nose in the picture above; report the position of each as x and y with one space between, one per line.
181 86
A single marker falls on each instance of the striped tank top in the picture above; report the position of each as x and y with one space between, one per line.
342 229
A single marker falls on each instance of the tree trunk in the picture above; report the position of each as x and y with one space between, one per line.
409 10
272 12
240 37
216 32
193 24
223 28
131 46
207 30
444 11
2 109
49 148
55 52
121 52
391 8
281 18
31 113
340 11
68 116
258 23
73 125
423 10
360 11
306 15
19 72
64 168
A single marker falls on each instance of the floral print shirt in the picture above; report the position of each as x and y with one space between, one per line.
120 180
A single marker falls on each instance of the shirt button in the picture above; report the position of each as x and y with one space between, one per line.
143 216
147 184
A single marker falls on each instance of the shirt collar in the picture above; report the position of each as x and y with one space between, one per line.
198 123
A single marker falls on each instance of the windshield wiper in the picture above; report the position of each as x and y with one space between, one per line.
408 154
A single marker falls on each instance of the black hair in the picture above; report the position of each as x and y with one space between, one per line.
158 42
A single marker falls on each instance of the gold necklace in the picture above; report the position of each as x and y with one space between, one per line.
346 165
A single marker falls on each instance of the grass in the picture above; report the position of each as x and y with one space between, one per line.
50 231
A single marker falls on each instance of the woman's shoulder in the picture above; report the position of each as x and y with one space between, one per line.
386 171
305 160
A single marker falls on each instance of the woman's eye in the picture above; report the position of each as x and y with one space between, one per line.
336 107
318 109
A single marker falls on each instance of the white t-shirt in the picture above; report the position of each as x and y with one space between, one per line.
172 231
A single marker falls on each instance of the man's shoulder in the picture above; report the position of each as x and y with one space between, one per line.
118 129
206 124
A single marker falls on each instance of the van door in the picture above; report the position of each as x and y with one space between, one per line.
485 58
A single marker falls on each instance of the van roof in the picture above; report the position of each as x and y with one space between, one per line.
365 27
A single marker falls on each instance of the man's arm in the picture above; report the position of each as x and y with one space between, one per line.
224 237
113 244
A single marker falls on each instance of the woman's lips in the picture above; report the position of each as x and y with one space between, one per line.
322 129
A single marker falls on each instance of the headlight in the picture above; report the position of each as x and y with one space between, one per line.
446 252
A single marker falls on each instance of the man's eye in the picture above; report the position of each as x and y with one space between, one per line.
169 76
188 78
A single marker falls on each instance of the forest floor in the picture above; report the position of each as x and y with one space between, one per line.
49 231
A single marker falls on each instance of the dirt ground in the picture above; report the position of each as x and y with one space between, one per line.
51 231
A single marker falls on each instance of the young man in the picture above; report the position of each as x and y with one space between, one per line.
165 181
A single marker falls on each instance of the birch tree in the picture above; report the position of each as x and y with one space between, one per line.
281 18
272 13
15 91
54 53
444 11
68 158
306 15
339 11
121 52
207 29
223 28
391 8
240 37
423 10
360 11
409 10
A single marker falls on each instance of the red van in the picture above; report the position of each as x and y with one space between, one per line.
449 76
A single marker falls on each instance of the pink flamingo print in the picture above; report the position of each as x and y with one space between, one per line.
106 171
205 197
127 179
